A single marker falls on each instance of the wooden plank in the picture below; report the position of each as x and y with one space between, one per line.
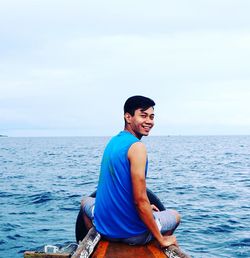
32 254
124 251
87 245
101 249
155 249
107 249
175 252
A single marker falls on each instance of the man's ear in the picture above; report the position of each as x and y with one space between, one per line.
127 117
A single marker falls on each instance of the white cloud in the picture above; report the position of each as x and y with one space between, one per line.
67 65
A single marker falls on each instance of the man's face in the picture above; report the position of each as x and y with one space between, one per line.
142 122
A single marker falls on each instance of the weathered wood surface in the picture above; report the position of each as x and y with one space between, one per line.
87 245
175 252
107 249
31 254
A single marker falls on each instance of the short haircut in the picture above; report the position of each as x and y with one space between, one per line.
136 102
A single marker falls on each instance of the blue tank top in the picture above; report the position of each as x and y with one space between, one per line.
115 214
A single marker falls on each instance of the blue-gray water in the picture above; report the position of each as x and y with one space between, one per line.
207 179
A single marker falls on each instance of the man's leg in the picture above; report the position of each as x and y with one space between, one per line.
168 221
88 204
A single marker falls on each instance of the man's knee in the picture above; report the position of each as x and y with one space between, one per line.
87 206
85 200
177 216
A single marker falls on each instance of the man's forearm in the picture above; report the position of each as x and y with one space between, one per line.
146 214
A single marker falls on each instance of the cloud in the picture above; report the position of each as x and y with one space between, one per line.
71 65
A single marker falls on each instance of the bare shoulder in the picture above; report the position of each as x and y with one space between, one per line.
137 149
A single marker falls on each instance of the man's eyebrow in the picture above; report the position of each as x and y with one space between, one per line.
144 112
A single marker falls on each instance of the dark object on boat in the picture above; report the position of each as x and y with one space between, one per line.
80 228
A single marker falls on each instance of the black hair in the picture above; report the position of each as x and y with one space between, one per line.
136 102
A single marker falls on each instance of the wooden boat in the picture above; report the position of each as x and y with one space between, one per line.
107 249
34 254
91 244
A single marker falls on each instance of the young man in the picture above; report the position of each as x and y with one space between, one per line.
121 210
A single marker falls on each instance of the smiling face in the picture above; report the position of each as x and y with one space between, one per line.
140 123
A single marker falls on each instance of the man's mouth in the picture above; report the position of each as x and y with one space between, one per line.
147 128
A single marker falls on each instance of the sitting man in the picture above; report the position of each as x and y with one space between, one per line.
121 210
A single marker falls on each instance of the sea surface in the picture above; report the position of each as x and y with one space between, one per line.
205 178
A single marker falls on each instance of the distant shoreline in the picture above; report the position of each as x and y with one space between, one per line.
108 136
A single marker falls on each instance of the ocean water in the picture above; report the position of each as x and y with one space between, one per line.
205 178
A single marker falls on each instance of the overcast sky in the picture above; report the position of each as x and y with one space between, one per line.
66 67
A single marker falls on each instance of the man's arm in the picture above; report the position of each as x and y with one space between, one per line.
137 156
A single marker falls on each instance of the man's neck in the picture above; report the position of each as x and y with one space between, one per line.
132 132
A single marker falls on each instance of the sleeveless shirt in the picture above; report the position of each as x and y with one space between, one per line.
115 214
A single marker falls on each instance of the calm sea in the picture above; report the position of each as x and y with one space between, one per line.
205 178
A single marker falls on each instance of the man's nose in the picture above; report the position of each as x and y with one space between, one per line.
149 120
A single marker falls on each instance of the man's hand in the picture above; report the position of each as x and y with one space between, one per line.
168 240
154 208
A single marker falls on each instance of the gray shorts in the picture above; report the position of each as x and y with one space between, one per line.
166 221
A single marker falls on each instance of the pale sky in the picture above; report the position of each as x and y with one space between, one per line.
67 67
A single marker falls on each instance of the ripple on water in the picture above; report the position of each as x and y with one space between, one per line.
14 237
9 227
41 198
205 178
2 242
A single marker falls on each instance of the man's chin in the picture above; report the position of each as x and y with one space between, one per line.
145 133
